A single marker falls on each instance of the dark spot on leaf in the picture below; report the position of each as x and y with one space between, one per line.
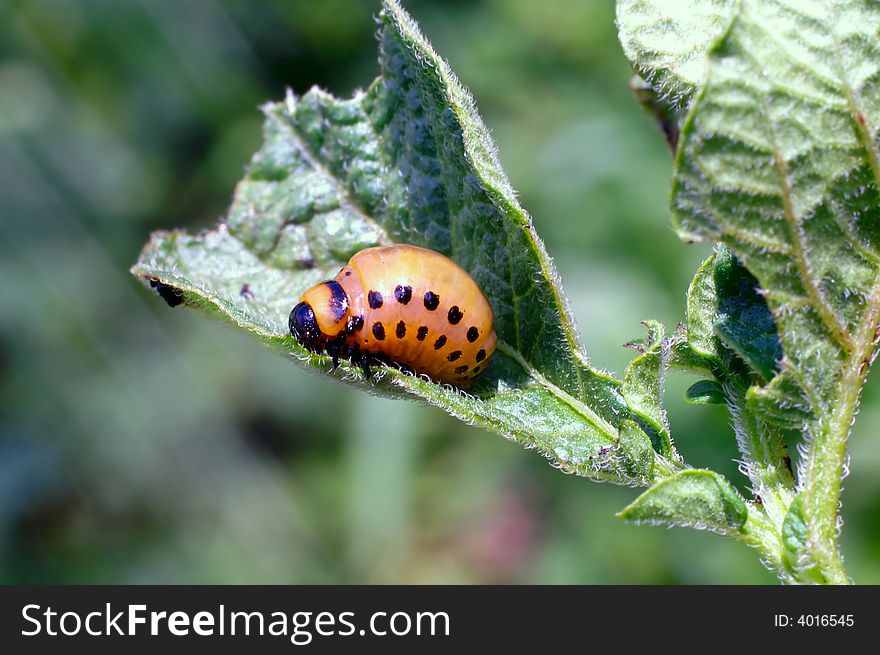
375 299
378 331
441 341
169 294
246 292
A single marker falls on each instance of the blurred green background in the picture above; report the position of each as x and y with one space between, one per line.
140 444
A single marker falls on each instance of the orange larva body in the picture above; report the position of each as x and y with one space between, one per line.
410 305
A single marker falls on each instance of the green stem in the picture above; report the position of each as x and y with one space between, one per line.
764 454
826 451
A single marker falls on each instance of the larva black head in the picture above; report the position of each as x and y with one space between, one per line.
304 327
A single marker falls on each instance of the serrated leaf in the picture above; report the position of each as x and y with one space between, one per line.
667 41
779 160
705 392
643 388
694 498
410 161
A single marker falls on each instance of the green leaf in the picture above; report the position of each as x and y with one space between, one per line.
409 160
795 545
636 453
705 392
667 41
744 322
779 159
693 498
643 388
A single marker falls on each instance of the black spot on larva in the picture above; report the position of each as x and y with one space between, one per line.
455 354
441 341
354 324
338 300
481 355
461 369
454 315
403 294
400 331
432 301
378 331
375 299
472 334
422 333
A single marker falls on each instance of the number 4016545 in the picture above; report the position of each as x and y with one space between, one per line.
814 620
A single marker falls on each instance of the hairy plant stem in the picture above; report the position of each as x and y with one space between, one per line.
765 457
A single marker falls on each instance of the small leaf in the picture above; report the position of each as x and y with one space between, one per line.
636 452
695 346
643 389
705 392
667 41
407 161
744 321
693 498
795 545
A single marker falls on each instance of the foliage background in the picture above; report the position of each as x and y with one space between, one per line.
141 444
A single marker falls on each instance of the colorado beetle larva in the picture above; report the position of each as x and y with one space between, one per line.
402 304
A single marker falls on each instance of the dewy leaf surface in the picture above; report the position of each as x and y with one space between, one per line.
408 161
